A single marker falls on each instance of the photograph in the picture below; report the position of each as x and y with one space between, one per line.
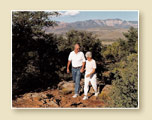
74 59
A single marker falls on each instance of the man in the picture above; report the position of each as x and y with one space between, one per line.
78 63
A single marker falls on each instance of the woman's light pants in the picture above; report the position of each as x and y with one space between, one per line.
93 80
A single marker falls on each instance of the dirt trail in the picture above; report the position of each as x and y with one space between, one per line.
62 97
55 99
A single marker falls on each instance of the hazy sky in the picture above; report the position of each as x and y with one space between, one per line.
72 16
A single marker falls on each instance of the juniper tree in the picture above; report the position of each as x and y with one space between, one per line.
32 50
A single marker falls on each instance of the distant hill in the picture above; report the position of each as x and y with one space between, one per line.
106 30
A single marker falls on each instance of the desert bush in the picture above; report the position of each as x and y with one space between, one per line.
125 70
122 48
117 51
123 65
125 92
34 63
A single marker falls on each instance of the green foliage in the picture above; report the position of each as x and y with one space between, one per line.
136 47
117 51
34 63
125 92
132 38
35 20
122 48
125 70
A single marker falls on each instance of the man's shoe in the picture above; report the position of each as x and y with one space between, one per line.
96 94
75 95
85 97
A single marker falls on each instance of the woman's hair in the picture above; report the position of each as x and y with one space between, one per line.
88 54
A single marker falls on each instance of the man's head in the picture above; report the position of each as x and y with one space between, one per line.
76 48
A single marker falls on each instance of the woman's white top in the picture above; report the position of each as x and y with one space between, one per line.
90 65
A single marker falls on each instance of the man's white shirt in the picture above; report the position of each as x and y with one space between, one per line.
76 58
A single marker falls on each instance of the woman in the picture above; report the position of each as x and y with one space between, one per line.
90 75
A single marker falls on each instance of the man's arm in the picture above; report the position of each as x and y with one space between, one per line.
68 65
82 69
83 63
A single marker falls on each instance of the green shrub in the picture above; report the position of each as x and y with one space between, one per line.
125 92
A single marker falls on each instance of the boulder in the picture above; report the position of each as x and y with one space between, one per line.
107 88
52 104
27 96
36 98
44 96
66 87
36 95
104 95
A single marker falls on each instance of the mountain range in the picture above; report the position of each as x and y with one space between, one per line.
108 29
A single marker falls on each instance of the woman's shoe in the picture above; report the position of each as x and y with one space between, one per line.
85 97
96 94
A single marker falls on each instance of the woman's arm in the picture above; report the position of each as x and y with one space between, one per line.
88 75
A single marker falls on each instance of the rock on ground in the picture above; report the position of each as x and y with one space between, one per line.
60 98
